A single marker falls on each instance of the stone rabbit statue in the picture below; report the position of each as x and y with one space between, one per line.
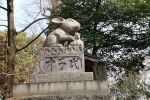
77 42
64 33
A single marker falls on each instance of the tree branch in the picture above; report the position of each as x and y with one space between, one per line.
44 13
31 40
42 10
30 25
4 25
3 20
3 8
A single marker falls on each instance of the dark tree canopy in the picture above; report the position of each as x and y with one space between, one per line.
118 31
112 28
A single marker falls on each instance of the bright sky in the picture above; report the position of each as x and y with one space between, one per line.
24 13
3 13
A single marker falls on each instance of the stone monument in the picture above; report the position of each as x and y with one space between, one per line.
62 70
62 54
63 51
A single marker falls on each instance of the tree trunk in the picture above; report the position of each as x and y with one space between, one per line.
95 49
11 35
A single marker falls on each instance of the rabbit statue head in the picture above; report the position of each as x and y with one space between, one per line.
69 25
64 32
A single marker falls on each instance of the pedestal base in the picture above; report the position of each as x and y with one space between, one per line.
86 96
61 77
59 88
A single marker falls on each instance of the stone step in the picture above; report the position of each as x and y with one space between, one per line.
58 88
61 77
86 96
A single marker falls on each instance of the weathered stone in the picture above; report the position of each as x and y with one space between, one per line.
59 51
64 33
62 63
85 96
77 42
63 50
62 69
58 88
61 77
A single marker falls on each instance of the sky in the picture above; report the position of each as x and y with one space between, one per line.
24 13
3 14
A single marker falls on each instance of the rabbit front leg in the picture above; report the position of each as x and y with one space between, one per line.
66 38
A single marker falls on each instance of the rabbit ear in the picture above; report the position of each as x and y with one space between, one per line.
57 21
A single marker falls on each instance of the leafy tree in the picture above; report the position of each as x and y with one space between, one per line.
112 28
3 66
130 88
116 30
12 33
27 60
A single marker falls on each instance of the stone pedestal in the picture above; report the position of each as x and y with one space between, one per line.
61 59
84 96
58 88
62 72
61 77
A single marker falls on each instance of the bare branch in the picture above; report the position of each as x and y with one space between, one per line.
40 5
32 40
2 20
42 10
44 13
31 24
4 25
37 15
3 8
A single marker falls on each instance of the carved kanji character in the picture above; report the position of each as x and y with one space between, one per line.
61 63
73 63
49 62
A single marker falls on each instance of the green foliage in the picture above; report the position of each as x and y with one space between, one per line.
130 88
2 53
116 30
27 60
109 27
115 17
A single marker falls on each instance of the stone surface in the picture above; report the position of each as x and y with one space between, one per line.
63 50
62 63
77 42
101 71
65 31
58 88
86 96
61 77
62 69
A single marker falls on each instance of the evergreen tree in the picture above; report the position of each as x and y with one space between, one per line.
112 28
118 31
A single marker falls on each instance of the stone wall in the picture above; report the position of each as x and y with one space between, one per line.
99 96
58 88
61 77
